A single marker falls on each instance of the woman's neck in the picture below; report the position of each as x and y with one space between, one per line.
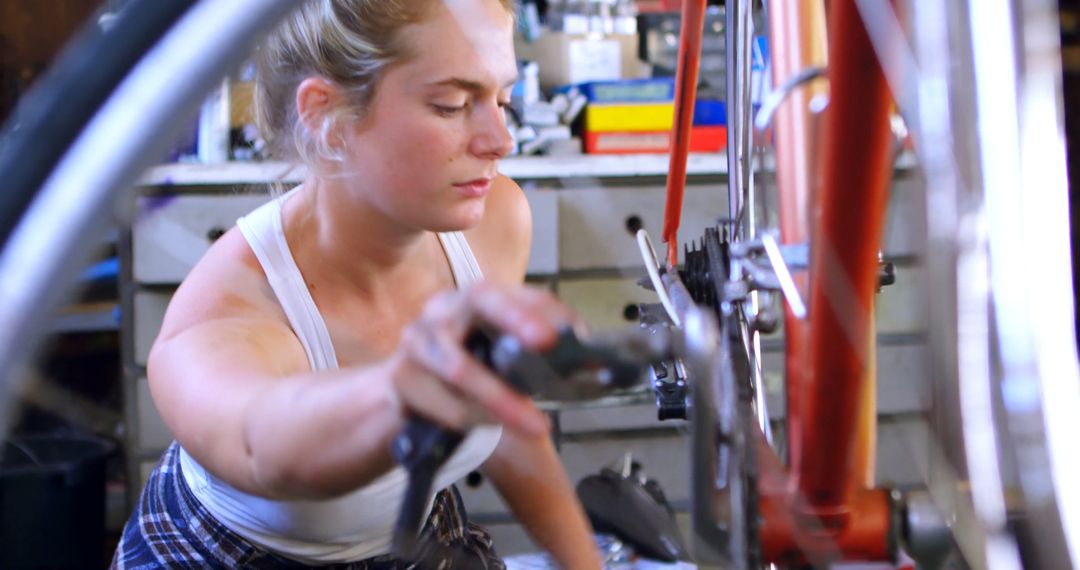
339 239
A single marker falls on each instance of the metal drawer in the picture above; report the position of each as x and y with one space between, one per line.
172 233
509 538
149 312
544 254
596 227
905 222
901 307
153 435
903 374
481 499
619 418
605 304
903 454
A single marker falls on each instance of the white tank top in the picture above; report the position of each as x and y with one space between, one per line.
360 524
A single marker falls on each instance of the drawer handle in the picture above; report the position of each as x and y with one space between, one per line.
474 479
633 224
214 233
631 312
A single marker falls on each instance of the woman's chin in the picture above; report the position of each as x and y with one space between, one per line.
452 225
466 217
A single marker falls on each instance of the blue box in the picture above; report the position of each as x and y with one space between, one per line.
710 112
656 90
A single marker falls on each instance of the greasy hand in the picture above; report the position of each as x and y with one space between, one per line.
435 377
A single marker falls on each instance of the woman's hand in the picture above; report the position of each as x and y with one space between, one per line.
435 377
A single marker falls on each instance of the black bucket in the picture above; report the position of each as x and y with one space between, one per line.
52 501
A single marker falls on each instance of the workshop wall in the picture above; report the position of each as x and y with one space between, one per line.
31 34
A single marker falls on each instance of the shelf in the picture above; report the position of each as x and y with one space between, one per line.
550 167
610 166
224 174
87 317
630 397
519 168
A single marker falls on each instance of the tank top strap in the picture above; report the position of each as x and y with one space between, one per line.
265 233
462 261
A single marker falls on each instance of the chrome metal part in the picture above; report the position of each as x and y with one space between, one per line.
772 273
739 41
787 282
752 346
672 393
926 534
778 95
794 255
723 484
699 346
987 125
1018 89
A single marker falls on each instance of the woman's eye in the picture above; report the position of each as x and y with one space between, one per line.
448 110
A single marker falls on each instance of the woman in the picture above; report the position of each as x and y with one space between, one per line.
293 353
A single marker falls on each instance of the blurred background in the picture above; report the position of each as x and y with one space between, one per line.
591 117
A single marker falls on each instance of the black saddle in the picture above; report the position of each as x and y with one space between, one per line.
634 509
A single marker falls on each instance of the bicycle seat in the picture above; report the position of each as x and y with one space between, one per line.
634 510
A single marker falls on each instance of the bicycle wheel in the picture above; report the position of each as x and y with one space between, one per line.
985 109
123 134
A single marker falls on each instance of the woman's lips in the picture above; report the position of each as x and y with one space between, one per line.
474 188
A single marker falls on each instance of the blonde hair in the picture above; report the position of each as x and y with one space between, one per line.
348 42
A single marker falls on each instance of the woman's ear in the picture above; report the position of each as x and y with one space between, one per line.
315 100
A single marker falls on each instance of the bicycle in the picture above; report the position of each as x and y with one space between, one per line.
822 505
55 195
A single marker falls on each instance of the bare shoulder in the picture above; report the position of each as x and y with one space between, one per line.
226 287
223 341
502 239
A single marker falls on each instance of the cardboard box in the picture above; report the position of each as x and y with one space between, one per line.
241 103
577 58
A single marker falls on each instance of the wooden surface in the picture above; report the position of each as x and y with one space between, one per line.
31 34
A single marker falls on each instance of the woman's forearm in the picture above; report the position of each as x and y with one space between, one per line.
530 477
317 437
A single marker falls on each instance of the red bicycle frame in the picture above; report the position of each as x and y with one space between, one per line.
823 505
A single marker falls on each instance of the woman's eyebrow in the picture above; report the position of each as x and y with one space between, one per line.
470 84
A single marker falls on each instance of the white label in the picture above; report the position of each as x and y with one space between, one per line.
595 60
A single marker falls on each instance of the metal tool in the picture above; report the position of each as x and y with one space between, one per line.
573 369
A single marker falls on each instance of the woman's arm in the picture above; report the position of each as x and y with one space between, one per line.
526 469
236 394
528 474
233 384
231 392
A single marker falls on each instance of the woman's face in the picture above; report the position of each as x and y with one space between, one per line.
426 152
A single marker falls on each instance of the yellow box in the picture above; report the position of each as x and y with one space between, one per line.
629 117
241 103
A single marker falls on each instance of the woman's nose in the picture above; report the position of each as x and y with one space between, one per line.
492 139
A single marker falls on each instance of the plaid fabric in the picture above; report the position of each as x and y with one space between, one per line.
171 529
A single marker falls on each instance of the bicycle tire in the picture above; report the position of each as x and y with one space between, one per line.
50 116
55 229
